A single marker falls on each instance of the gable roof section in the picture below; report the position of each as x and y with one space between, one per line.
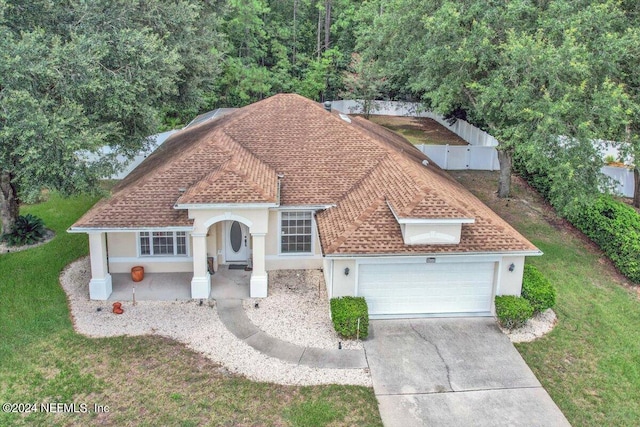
370 174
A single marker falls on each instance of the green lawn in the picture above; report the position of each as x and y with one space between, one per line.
145 381
590 363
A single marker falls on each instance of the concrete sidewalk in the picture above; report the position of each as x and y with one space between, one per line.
454 372
233 316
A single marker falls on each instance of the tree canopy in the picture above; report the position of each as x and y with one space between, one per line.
77 76
550 80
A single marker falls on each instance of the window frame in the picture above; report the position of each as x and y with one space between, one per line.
312 233
149 234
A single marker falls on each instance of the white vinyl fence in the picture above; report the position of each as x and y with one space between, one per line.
623 178
459 157
480 154
464 130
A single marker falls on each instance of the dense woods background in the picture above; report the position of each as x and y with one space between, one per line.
76 76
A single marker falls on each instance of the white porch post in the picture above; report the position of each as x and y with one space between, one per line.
100 286
201 282
259 280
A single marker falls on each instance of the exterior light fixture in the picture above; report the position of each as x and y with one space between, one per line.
512 267
346 271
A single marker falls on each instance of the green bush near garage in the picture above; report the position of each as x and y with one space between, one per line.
537 289
513 311
350 317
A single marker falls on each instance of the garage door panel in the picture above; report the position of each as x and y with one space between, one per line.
426 289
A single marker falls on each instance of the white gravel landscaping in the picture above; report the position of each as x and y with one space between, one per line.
297 310
536 327
199 328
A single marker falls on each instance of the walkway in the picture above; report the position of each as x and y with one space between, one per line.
233 316
230 287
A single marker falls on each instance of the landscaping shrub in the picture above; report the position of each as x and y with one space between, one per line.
612 225
513 311
537 289
615 227
28 230
537 176
345 312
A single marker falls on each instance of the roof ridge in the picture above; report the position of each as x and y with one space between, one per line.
232 145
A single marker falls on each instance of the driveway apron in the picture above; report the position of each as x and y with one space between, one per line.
454 372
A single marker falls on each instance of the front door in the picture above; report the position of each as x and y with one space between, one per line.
237 242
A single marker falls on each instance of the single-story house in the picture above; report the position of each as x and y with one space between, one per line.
286 184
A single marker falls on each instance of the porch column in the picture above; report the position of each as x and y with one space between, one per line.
259 281
201 282
100 286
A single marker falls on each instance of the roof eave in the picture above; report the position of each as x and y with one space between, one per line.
436 254
79 229
203 206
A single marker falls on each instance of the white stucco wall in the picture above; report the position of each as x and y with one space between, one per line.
343 285
276 261
122 245
510 282
122 248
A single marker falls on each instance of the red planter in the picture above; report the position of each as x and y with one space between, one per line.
137 273
117 308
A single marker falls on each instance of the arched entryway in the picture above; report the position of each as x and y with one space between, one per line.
228 240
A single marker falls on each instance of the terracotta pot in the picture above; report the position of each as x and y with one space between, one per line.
117 308
137 273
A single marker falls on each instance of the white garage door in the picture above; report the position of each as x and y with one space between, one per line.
403 289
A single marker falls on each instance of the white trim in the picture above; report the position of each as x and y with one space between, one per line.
128 230
227 216
434 254
300 256
175 245
147 258
429 315
312 250
435 221
224 206
303 207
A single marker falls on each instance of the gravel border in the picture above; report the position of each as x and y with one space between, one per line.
297 310
48 236
198 327
536 327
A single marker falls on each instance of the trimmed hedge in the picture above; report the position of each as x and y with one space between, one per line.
612 225
537 289
513 311
615 227
345 312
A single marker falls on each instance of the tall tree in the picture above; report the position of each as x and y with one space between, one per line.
78 76
515 69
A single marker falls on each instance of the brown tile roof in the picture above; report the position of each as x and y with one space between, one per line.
366 171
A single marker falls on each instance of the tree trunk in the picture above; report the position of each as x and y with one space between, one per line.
295 19
327 24
9 204
318 34
504 182
636 189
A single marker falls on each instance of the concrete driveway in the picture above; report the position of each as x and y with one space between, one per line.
454 372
